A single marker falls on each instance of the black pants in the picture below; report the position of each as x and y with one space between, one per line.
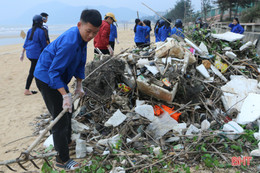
112 44
104 51
139 44
31 71
62 130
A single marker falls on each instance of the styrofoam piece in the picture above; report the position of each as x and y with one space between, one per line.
245 46
117 118
186 62
209 80
203 71
204 48
236 90
118 170
156 91
239 67
256 152
227 48
110 141
228 36
169 60
152 69
48 142
81 148
156 150
139 102
231 55
233 126
145 111
173 139
75 136
218 73
161 125
106 153
191 130
78 127
193 45
142 62
250 110
205 125
179 127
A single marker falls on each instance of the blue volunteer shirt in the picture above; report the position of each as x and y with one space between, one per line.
113 33
35 46
177 31
147 34
139 34
156 34
62 59
236 28
163 33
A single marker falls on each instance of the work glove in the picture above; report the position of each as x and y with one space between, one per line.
111 52
79 91
22 56
117 41
67 102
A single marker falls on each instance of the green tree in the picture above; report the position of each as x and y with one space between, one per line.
205 7
182 10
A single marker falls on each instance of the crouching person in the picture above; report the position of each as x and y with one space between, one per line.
59 62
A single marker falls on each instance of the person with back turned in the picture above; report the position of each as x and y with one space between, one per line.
101 41
34 44
113 35
61 60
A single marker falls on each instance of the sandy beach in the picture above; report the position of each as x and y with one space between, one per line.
17 111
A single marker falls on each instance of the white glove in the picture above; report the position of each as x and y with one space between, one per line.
117 41
22 56
111 52
79 91
67 102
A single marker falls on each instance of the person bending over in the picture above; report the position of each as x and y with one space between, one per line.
62 59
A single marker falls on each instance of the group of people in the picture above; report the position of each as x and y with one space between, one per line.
162 30
54 64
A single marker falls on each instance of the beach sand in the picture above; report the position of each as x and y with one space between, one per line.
17 111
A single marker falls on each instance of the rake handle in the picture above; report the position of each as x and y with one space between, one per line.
37 141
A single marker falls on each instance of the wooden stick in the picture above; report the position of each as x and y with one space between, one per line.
26 153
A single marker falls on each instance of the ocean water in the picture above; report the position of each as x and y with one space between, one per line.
11 34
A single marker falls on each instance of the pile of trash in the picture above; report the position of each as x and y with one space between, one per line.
172 102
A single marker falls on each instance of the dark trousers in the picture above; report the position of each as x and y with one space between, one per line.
31 71
112 44
62 130
139 44
104 51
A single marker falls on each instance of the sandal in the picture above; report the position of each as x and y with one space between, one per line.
70 165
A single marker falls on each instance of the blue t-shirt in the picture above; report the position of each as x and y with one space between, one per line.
62 59
177 31
35 46
236 28
163 33
113 33
147 34
139 34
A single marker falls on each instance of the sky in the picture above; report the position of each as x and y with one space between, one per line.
10 9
